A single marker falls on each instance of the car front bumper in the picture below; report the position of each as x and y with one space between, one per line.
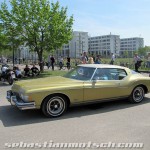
14 100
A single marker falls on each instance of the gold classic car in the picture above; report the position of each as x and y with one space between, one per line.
85 84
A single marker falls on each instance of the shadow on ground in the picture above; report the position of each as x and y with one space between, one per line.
4 84
11 116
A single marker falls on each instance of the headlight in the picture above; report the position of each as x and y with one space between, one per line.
24 97
21 95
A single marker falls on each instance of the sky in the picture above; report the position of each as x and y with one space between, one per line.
127 18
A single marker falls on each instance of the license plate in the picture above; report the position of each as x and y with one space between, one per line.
13 76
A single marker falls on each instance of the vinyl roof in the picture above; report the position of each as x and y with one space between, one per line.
101 66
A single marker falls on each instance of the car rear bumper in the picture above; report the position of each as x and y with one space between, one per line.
14 100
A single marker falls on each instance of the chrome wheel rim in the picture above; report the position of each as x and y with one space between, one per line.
138 94
55 106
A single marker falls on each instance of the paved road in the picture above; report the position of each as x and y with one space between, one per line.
117 121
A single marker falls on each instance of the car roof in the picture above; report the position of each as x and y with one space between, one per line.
101 66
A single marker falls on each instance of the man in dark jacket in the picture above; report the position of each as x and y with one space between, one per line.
52 62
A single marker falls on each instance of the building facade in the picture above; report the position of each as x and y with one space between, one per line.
130 45
104 45
23 52
76 46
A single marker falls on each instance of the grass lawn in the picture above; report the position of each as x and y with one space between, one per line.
52 73
47 74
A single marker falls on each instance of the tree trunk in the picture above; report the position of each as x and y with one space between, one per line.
41 61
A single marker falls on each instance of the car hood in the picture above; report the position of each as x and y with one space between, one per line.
48 83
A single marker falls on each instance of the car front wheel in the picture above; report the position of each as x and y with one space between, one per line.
137 95
54 106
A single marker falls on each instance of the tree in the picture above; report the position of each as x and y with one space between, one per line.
9 40
42 25
3 38
125 54
143 51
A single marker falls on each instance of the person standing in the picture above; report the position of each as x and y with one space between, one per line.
112 59
23 60
90 60
49 61
93 57
98 59
61 62
137 61
68 62
16 60
2 59
52 62
84 58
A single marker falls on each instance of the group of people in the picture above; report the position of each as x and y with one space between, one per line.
33 71
94 60
51 62
90 60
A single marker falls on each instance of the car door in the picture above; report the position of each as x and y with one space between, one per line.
107 85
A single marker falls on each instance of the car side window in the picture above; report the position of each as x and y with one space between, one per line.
122 74
118 74
102 74
109 74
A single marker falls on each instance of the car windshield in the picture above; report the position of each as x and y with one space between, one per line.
80 73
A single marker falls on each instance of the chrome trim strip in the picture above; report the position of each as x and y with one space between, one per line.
15 101
22 105
98 101
93 74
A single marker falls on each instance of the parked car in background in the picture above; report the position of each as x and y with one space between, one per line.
87 83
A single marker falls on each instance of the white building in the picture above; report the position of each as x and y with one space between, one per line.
104 45
76 46
23 52
131 45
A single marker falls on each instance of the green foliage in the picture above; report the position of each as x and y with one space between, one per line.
125 54
42 25
143 51
3 39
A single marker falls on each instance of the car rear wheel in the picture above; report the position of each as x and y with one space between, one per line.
54 106
137 95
